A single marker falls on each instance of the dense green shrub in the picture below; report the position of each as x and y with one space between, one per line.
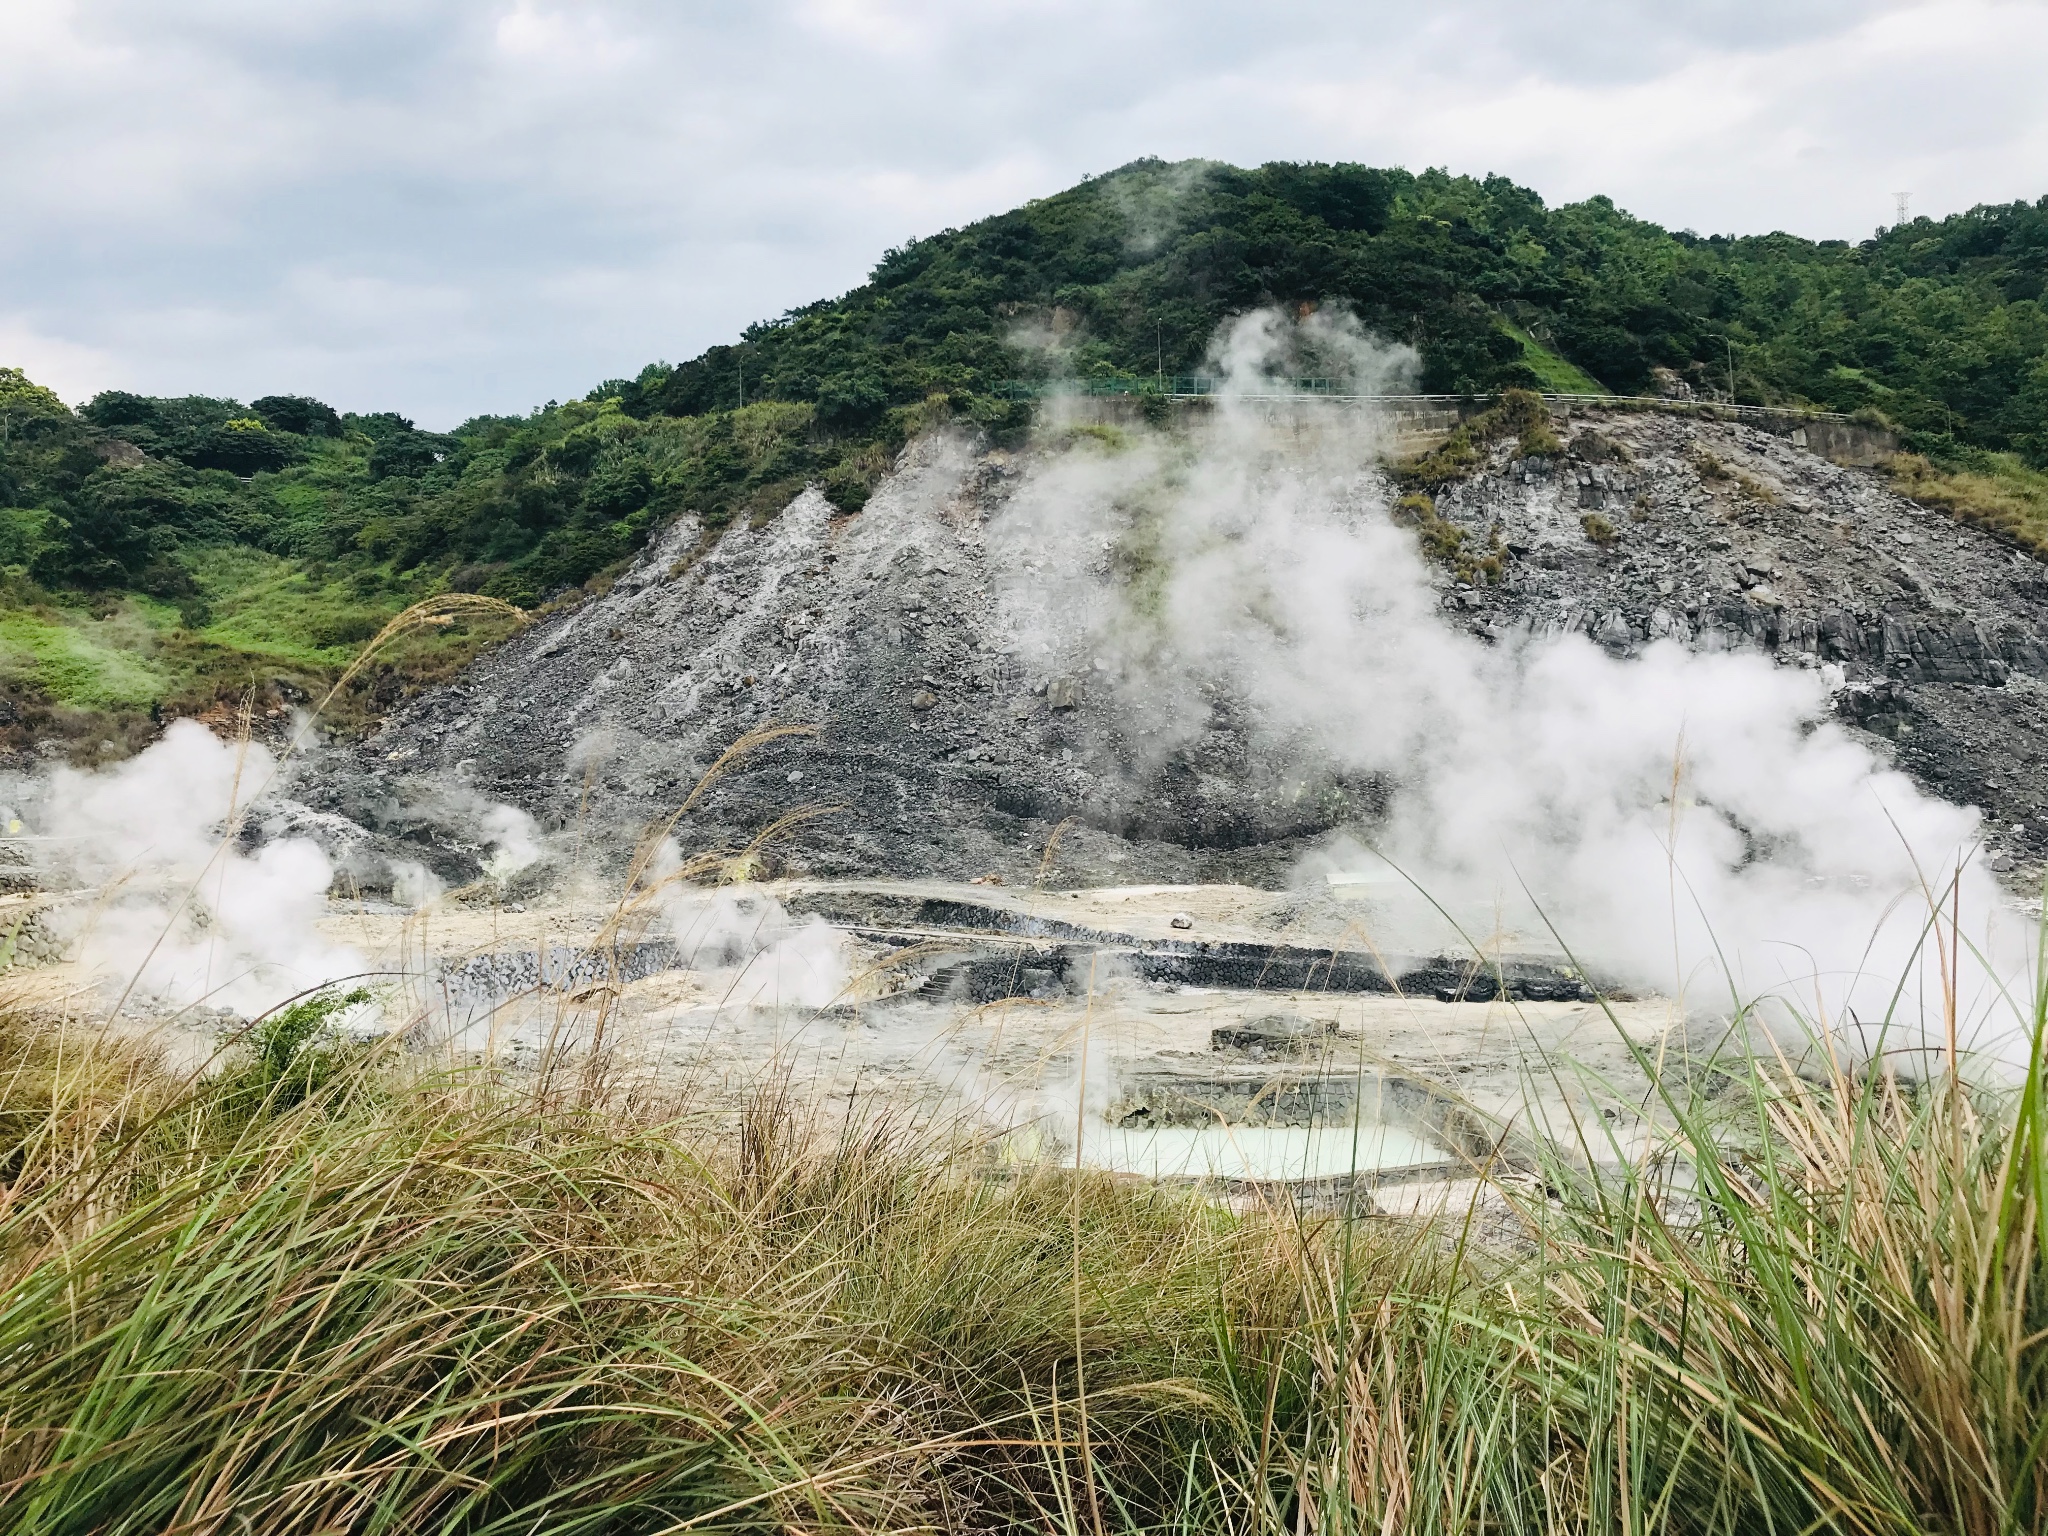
300 414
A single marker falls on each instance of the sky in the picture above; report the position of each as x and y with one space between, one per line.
447 207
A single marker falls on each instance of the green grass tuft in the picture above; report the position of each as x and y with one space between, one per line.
78 661
401 1301
1555 375
1993 491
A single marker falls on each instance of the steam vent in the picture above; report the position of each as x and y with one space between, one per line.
1313 802
1224 795
975 656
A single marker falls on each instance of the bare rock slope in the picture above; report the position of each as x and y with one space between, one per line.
1724 537
953 744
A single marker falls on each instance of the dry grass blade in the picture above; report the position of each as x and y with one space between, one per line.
429 613
393 1301
652 840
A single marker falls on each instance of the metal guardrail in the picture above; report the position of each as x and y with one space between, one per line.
1196 387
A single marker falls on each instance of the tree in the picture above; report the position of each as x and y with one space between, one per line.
299 414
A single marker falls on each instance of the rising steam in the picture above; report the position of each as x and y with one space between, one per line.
761 955
180 914
1691 824
1688 823
185 917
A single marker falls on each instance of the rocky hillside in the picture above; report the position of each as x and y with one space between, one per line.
945 643
1725 537
190 556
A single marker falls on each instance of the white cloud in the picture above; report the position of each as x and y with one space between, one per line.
868 24
1812 136
459 205
75 372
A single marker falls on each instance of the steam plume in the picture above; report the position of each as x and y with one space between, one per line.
181 914
186 918
1689 823
767 958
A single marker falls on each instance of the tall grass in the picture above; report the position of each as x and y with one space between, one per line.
1998 492
321 1289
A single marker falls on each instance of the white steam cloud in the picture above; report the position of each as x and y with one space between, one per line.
1259 352
1689 823
175 912
183 917
766 958
514 839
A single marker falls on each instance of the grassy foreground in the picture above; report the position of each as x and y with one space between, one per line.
322 1291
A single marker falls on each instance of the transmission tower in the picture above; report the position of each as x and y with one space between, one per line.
1902 198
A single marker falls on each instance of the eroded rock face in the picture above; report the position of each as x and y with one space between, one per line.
1722 537
946 750
955 738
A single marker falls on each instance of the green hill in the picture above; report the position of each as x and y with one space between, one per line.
178 555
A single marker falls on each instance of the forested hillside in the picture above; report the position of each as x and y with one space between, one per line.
1937 324
174 554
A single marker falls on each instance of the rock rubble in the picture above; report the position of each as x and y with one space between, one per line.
945 744
1932 635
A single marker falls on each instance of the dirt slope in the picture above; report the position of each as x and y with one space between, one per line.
955 743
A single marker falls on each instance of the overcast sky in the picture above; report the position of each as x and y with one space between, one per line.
452 206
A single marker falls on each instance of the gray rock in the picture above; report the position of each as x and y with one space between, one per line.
839 623
1277 1036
